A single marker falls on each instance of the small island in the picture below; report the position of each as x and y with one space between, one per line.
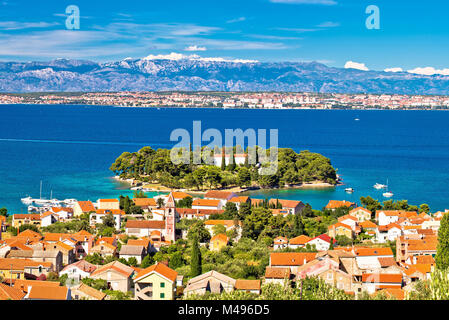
153 170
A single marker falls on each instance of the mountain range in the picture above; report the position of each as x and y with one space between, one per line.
189 74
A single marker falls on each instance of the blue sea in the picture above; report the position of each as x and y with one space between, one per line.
70 148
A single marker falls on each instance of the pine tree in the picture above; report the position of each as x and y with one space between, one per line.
298 226
331 247
442 256
247 160
223 161
195 259
232 165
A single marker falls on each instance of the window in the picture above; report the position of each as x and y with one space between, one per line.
162 295
329 276
162 284
77 297
150 284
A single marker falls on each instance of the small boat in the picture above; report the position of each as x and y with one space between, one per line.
70 201
379 186
28 200
356 119
33 209
349 190
388 194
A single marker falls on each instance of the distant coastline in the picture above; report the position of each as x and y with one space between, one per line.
222 108
233 100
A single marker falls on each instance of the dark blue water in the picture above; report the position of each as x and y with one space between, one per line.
70 148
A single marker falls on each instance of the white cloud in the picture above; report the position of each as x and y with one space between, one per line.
325 2
329 24
429 71
297 30
16 25
180 56
171 56
240 19
195 48
393 70
356 65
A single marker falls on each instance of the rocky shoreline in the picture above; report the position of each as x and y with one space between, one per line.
139 185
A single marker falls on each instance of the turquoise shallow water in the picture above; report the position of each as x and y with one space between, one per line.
70 148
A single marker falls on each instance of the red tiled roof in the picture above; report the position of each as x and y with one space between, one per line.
334 204
160 268
382 278
373 251
286 203
300 240
108 200
291 258
86 206
277 273
10 293
224 195
144 202
247 284
145 224
206 202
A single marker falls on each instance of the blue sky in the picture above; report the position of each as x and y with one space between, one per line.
412 34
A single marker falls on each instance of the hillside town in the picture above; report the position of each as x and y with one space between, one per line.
256 100
172 246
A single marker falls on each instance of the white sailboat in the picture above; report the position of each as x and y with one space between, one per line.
41 201
379 186
388 194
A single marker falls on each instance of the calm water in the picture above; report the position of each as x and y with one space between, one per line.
70 148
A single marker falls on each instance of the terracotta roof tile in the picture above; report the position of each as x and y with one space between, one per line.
160 268
247 284
277 273
291 258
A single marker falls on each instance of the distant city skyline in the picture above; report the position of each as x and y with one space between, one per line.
412 36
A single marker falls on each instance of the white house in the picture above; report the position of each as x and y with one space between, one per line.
389 232
368 258
48 218
239 159
144 228
321 243
431 224
100 214
280 243
385 217
62 213
78 270
349 221
211 204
